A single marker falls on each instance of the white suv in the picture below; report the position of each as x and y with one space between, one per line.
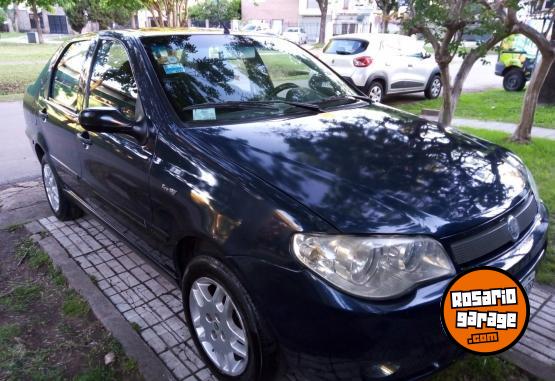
381 64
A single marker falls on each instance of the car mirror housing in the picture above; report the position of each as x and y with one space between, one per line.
110 120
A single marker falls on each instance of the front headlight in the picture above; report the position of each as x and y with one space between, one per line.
373 267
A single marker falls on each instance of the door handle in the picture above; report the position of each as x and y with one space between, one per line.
84 138
43 114
410 65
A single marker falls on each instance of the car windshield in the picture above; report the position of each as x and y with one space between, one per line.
228 77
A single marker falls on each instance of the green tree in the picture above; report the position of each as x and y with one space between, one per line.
81 11
216 11
3 16
443 24
34 5
389 8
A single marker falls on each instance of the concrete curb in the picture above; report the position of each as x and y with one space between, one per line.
150 365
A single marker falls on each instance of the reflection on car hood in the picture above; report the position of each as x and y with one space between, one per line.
376 169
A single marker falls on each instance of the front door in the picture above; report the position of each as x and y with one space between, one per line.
115 166
58 113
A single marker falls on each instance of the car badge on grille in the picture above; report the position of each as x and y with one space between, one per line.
512 226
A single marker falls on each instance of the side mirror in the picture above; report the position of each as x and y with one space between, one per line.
425 54
110 120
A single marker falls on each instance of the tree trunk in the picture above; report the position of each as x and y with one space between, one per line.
446 112
14 18
37 20
523 132
547 93
323 19
385 23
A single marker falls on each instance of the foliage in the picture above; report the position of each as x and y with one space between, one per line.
81 11
388 8
216 10
3 16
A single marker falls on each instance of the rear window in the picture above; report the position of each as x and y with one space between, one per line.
344 46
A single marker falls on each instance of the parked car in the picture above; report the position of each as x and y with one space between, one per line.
382 64
516 61
310 230
296 35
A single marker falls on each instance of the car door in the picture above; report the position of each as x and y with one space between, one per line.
115 166
416 69
58 112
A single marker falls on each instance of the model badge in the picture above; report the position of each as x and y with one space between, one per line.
512 226
166 188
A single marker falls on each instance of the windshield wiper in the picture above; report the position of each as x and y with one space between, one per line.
352 96
264 104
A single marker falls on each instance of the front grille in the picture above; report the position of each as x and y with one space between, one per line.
496 236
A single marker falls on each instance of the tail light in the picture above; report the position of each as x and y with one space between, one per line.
362 61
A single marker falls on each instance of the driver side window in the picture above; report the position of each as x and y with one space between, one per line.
112 83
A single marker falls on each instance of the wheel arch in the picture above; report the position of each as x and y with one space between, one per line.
509 68
379 77
190 246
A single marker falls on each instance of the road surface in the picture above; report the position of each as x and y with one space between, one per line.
17 159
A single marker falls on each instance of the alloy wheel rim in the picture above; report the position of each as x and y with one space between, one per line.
436 87
376 94
51 187
219 326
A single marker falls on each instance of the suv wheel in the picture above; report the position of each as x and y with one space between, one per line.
375 92
226 328
514 80
434 88
64 209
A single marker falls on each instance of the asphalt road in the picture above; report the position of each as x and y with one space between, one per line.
17 159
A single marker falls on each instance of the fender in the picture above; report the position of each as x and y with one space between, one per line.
379 75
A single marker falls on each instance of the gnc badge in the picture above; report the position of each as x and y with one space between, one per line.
485 310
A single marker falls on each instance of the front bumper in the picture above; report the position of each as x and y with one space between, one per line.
329 335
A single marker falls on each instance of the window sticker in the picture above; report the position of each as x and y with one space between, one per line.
173 68
204 114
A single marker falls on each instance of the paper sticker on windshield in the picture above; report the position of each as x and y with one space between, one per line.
204 114
173 68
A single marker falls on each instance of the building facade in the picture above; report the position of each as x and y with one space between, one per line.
54 21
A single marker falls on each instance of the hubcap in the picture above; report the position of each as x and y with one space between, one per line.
375 94
436 87
51 187
218 326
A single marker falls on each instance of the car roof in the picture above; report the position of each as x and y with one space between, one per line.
153 32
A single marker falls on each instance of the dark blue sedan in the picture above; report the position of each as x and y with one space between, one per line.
312 232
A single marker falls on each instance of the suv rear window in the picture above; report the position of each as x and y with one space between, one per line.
344 46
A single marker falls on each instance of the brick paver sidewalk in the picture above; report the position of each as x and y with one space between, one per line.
153 303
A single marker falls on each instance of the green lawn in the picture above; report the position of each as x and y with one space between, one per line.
497 105
19 65
539 156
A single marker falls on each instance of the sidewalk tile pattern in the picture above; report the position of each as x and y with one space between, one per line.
152 303
148 300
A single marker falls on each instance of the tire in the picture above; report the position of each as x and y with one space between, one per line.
514 80
434 87
375 91
61 205
262 353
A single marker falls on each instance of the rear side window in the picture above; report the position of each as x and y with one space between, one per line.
344 46
112 83
65 86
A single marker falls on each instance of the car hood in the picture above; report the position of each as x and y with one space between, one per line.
375 169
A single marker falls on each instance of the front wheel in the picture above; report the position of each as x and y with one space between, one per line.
226 328
514 80
63 207
434 88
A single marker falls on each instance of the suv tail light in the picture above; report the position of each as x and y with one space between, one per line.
362 61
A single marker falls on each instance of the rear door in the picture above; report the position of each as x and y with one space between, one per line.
416 69
58 112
